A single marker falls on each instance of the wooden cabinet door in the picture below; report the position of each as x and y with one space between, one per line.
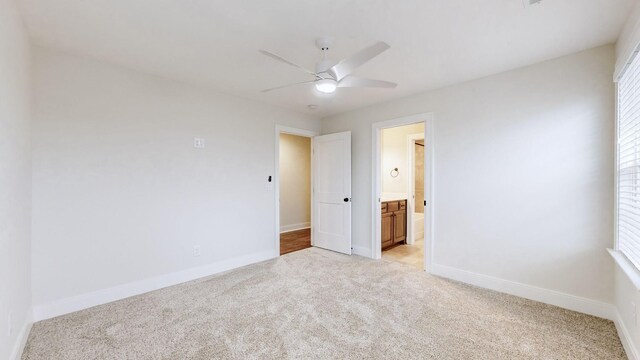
387 230
399 226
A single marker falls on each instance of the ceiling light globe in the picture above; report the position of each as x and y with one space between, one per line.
326 86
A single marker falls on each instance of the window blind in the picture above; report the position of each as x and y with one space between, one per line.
628 215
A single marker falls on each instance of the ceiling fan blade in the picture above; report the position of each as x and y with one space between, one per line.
281 59
347 66
353 81
284 86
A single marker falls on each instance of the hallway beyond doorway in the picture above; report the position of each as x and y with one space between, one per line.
295 240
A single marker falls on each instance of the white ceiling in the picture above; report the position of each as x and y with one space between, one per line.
434 43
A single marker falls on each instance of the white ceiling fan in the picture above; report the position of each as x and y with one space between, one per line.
330 75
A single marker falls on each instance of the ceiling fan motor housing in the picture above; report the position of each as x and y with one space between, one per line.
323 66
324 43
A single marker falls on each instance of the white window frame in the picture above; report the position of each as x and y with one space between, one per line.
631 269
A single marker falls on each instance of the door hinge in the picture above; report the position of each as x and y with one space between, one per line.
425 203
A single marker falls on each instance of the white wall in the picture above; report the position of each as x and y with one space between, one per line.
628 41
394 155
120 194
523 175
295 182
15 181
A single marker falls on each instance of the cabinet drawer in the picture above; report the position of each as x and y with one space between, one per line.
403 205
392 206
384 207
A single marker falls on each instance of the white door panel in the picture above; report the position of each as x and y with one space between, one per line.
332 192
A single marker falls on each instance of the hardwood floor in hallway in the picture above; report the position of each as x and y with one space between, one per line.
295 240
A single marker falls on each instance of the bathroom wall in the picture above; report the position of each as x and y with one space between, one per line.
394 155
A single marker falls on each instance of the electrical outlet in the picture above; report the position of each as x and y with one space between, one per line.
196 250
527 3
9 325
198 143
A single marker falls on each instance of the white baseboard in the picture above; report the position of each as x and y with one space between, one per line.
103 296
294 227
21 340
547 296
361 251
552 297
625 338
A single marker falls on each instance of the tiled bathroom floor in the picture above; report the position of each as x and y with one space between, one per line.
409 254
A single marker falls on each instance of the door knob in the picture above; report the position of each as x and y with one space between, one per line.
346 199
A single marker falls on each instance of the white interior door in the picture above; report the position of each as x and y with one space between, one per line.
332 192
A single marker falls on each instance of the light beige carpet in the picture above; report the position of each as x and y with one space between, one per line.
315 304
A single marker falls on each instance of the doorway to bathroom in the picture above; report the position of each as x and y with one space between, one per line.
399 208
402 190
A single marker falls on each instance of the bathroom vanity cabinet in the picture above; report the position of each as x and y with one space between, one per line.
394 223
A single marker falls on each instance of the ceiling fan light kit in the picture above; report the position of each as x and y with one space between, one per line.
330 75
326 86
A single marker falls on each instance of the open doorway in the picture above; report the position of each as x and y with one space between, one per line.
402 190
329 186
402 239
328 199
295 192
